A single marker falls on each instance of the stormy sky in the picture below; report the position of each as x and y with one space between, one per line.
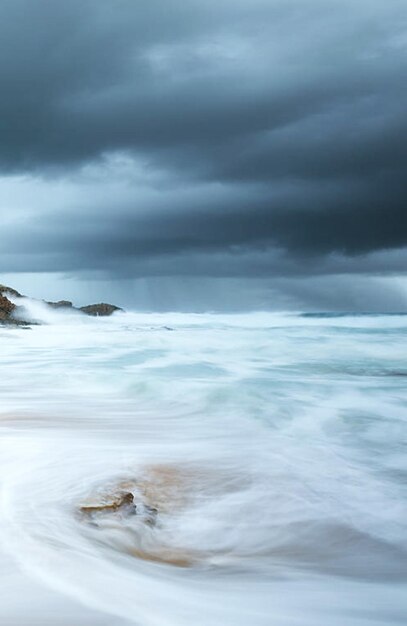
229 154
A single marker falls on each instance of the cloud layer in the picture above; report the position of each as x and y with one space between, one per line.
218 139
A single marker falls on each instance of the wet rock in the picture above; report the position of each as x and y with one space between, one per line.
102 309
123 502
7 308
4 290
61 304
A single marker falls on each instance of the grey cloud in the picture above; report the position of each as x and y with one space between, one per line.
310 221
79 79
271 136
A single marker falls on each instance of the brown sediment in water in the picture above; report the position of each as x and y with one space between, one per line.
160 488
142 506
164 487
159 491
167 556
171 487
18 417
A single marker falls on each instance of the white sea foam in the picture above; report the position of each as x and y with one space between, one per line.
286 432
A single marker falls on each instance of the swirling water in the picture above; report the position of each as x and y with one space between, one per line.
273 446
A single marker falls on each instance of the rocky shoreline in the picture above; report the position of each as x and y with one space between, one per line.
10 312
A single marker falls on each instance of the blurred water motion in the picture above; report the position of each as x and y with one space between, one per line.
269 445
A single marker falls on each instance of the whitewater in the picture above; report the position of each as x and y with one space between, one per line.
271 446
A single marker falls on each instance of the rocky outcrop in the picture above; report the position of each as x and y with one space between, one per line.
101 309
61 304
4 290
7 307
122 502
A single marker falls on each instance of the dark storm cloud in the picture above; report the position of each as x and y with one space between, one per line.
307 221
284 121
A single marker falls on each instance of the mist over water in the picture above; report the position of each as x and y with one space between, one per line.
272 446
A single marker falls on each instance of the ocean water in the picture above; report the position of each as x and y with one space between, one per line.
272 446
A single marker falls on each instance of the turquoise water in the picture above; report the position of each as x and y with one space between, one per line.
286 434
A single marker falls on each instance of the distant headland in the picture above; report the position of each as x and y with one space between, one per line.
10 312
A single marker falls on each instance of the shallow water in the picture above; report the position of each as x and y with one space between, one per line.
272 446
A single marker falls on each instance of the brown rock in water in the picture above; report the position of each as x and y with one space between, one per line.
61 304
6 306
101 309
7 309
124 502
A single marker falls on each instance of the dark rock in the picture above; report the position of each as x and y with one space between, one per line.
101 309
61 304
13 292
7 308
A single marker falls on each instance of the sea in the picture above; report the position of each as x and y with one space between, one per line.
265 452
